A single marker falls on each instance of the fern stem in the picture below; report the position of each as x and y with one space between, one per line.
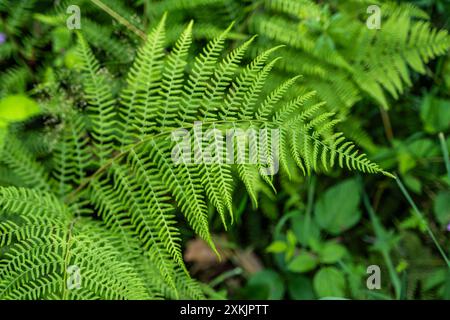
67 257
72 196
422 217
225 276
310 203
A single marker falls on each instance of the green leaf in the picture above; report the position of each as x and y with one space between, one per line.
413 222
329 282
300 287
413 183
304 262
71 59
446 73
305 229
436 278
61 37
3 132
17 108
337 209
266 281
277 247
423 148
331 252
292 240
406 161
48 19
442 207
435 114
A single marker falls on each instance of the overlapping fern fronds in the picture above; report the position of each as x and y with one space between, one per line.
13 17
340 57
114 161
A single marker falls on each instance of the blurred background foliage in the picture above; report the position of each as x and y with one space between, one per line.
316 237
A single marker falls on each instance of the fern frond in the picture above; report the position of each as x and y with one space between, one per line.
101 37
101 102
239 87
348 59
173 77
23 164
72 156
220 81
13 80
139 100
36 261
202 70
381 60
185 186
118 222
19 14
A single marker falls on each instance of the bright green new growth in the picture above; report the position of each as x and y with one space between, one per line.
112 161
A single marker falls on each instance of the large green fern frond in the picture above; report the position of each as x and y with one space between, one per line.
117 160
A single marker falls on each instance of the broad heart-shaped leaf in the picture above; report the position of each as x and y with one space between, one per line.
337 209
329 282
17 108
304 262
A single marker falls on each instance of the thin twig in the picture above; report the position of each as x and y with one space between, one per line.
387 124
120 19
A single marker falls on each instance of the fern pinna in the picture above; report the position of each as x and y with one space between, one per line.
107 202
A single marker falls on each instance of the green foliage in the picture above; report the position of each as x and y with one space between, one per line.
329 282
115 155
340 57
337 209
88 182
441 208
42 238
266 285
17 108
303 262
435 114
14 108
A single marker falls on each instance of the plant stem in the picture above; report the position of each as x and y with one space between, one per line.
120 19
160 134
387 124
310 205
422 217
224 276
380 234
